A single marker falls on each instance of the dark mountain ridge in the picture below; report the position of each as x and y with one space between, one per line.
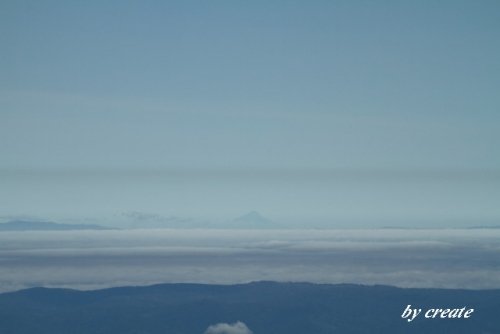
265 307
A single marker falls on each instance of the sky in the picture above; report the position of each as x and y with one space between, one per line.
337 112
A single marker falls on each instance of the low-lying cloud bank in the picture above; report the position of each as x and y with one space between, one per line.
452 258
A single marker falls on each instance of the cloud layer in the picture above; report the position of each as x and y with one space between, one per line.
451 258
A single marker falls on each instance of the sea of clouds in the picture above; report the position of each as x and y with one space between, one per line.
442 258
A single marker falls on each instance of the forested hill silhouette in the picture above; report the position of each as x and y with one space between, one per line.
265 307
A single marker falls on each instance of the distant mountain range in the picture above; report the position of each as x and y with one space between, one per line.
252 220
263 308
141 220
144 220
24 225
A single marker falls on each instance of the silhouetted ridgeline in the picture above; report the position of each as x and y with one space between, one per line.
25 225
265 307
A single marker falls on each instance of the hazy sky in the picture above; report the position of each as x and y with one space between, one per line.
238 86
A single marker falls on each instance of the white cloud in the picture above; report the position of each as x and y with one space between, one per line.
224 328
100 259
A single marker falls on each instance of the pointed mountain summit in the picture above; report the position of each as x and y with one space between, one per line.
252 219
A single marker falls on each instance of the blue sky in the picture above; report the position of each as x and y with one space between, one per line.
234 86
